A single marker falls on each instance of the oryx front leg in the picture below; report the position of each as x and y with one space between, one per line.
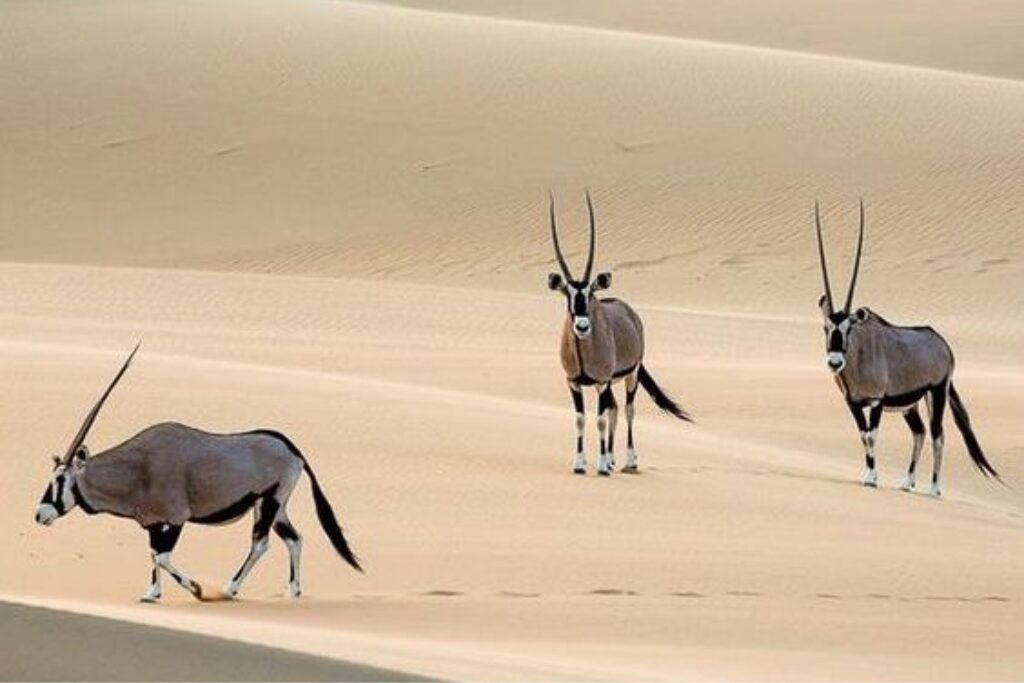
293 539
604 403
154 592
162 539
265 512
579 463
632 462
913 418
937 407
612 413
869 438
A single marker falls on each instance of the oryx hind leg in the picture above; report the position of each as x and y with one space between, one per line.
913 418
162 539
293 540
266 510
936 399
632 384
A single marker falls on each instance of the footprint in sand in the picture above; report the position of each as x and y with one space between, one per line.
828 596
442 594
611 591
745 594
516 594
687 594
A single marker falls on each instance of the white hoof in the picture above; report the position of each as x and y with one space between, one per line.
293 590
909 483
871 478
936 492
230 590
151 596
604 467
632 461
579 464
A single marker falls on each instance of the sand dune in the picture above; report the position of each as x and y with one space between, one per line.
328 218
962 35
705 156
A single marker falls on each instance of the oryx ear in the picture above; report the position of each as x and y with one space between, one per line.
823 305
602 281
860 315
82 452
56 460
555 282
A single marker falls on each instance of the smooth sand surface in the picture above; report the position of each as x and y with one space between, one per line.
48 645
329 219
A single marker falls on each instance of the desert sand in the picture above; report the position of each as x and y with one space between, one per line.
329 218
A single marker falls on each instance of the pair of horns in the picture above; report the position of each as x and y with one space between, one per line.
824 267
558 250
91 417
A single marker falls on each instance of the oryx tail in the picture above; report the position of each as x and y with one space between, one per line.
324 511
963 423
661 399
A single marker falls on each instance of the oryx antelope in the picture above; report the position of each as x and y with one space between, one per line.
880 367
602 343
170 474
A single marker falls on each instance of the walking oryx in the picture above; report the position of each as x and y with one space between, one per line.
602 343
880 366
169 474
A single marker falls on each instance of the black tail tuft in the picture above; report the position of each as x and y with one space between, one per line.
661 399
324 511
963 423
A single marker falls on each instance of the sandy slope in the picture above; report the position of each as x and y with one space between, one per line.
329 219
149 654
448 457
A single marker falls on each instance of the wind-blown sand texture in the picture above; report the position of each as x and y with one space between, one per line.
329 218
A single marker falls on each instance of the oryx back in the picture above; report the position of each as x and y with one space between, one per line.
897 365
172 473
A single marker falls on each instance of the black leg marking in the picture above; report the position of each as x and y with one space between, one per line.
163 537
858 416
875 417
288 534
605 403
938 410
266 511
913 419
578 404
630 397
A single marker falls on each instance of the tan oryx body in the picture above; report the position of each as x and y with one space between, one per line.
602 343
170 474
880 367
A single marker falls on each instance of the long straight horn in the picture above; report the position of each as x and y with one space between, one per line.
593 239
821 254
856 262
554 238
91 417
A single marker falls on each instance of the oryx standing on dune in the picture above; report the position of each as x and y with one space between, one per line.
602 343
170 474
879 366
